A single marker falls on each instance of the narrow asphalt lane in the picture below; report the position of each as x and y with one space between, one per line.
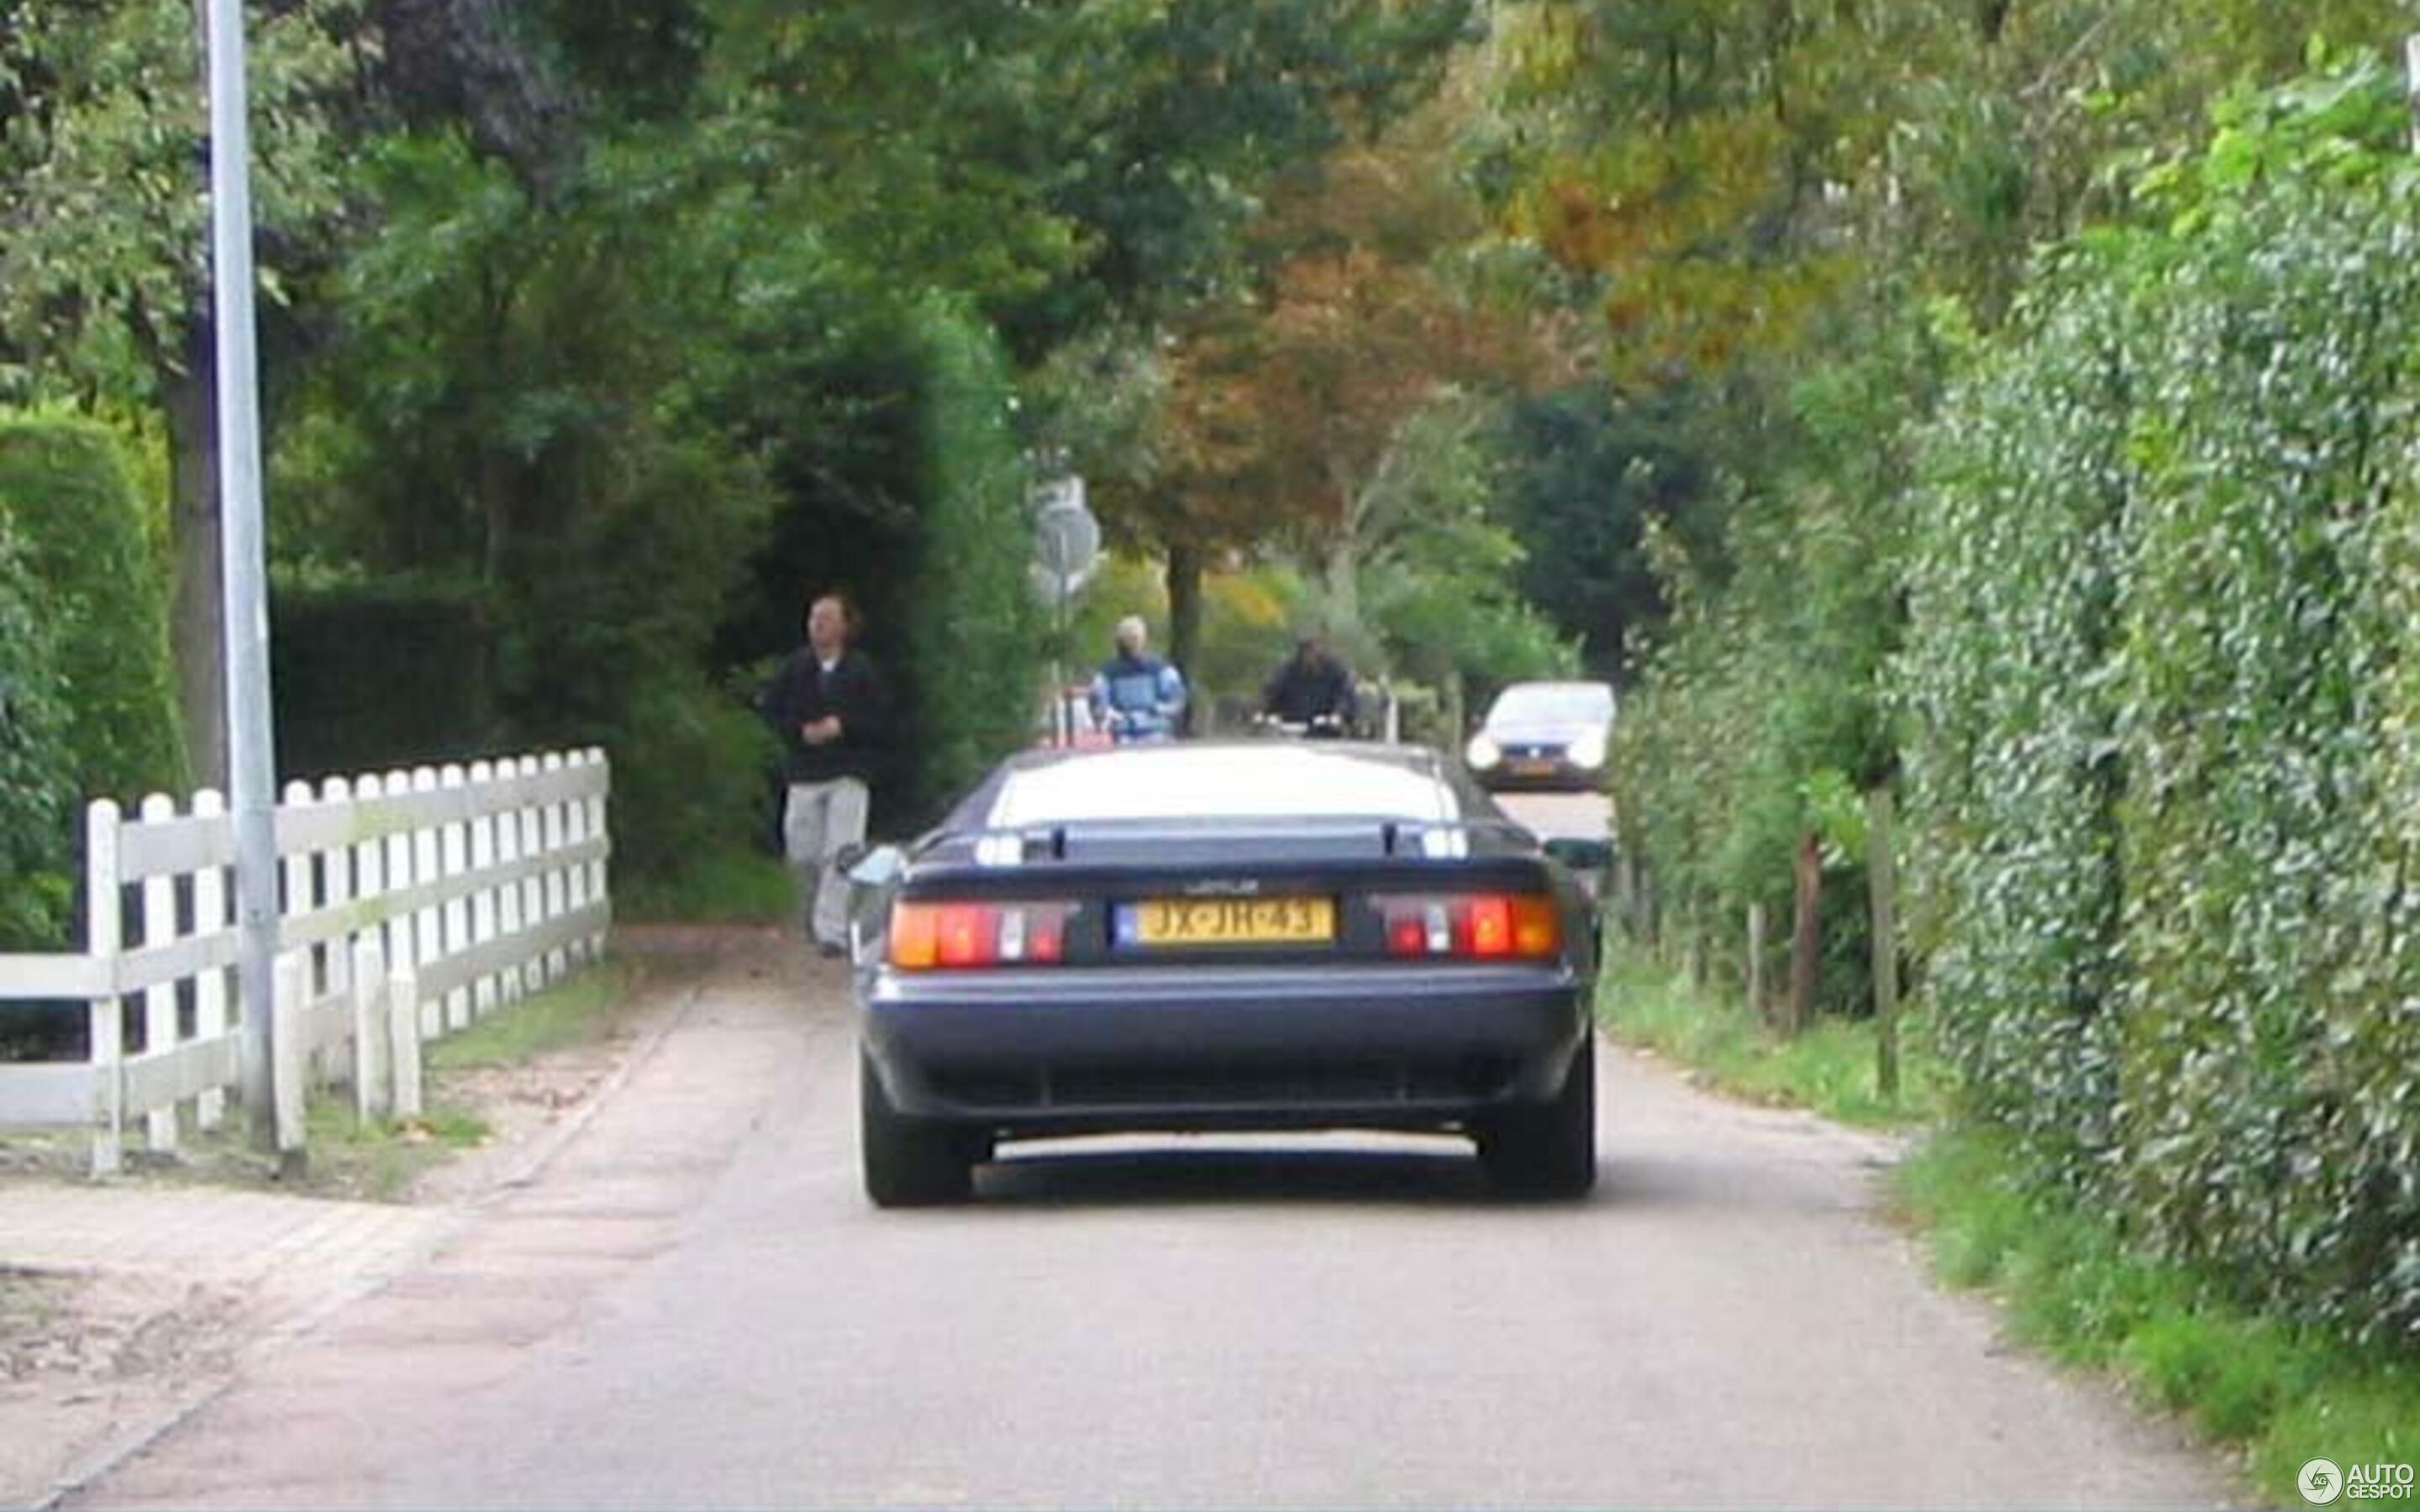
692 1306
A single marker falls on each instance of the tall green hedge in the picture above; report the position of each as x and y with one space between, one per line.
64 483
2013 594
2163 678
37 764
374 674
975 630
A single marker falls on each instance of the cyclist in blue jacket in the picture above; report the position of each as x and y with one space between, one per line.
1136 695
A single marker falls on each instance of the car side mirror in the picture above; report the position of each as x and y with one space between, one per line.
874 868
870 874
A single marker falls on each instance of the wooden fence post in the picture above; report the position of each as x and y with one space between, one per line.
558 897
1756 1005
509 897
534 890
599 884
482 902
160 998
427 862
337 890
453 846
1805 934
372 1096
1693 943
403 1031
210 918
1882 875
290 1027
104 941
574 876
302 898
394 877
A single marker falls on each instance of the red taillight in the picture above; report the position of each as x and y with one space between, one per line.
1047 935
960 934
970 934
1476 926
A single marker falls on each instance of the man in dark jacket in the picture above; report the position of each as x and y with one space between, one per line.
833 715
1311 685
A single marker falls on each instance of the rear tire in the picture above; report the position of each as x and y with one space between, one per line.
908 1161
1547 1149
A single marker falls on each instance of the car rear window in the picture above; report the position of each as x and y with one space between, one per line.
1177 782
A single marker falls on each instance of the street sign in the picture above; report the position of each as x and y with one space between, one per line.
1067 540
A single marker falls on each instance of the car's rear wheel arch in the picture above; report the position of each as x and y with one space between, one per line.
910 1162
1546 1149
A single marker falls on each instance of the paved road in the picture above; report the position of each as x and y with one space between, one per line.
690 1305
1558 815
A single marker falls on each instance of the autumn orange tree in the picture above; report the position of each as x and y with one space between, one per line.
1339 412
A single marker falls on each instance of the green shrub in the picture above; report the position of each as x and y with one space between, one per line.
2267 823
2163 681
371 675
65 485
2014 591
37 786
689 789
601 641
975 630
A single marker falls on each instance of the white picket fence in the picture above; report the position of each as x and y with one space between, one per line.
414 902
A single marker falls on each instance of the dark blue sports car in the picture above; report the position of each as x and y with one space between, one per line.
1203 936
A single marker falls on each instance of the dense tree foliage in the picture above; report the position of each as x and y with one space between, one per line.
104 244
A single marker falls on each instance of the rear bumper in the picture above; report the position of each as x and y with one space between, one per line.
1266 1047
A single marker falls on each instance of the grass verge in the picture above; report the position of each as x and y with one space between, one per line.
1829 1069
579 1009
732 887
2281 1396
378 1160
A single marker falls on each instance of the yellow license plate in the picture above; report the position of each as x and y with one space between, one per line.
1230 921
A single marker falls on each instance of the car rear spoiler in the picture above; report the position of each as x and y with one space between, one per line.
1438 839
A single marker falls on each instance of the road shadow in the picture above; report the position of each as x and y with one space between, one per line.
1069 1174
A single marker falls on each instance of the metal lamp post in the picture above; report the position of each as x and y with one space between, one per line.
242 562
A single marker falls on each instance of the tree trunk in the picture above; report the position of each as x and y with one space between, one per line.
1881 873
1185 625
1756 1007
1342 571
1804 935
194 529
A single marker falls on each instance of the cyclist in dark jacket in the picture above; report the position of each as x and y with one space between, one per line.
1311 686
